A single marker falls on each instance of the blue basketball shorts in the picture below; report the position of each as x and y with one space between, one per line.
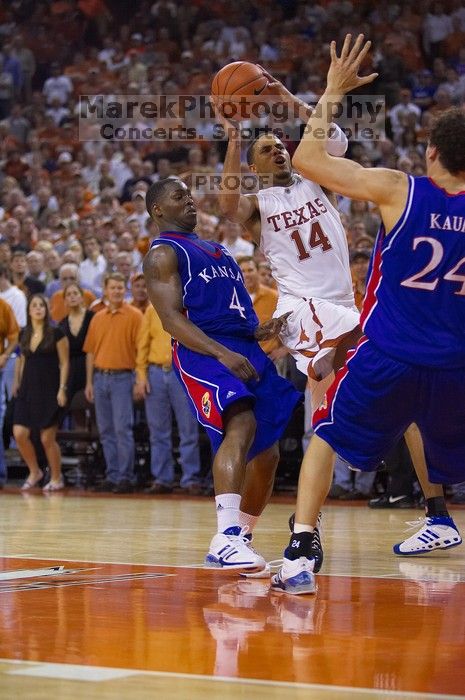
211 388
374 398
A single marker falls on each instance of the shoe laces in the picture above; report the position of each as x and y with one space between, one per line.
415 524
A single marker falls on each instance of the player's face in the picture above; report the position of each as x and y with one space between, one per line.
271 156
178 207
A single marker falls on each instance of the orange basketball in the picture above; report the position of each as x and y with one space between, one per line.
239 78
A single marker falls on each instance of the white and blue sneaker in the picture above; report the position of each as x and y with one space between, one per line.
438 532
295 577
231 549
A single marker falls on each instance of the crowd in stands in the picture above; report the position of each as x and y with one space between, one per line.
73 212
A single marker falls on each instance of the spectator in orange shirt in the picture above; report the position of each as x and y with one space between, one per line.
9 332
69 272
264 301
111 359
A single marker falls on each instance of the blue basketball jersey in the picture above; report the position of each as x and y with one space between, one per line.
414 308
214 294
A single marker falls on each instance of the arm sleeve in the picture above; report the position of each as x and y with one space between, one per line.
337 142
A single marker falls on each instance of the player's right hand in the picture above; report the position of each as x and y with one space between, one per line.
231 126
239 365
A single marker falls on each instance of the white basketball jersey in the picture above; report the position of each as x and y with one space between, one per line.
304 241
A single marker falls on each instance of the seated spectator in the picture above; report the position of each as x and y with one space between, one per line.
12 233
93 266
40 391
19 275
140 212
230 236
69 272
35 265
127 244
140 297
266 277
359 267
52 270
124 265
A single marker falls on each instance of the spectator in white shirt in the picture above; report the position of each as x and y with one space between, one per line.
436 27
94 266
401 113
56 111
140 212
230 236
58 85
127 244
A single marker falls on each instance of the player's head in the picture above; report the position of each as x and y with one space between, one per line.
170 204
268 155
447 142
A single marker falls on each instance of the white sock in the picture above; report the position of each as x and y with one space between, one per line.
248 521
227 510
300 527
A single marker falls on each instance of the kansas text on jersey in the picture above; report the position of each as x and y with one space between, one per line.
214 296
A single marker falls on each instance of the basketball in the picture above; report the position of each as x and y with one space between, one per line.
239 78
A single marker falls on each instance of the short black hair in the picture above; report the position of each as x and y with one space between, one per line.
250 149
448 135
157 190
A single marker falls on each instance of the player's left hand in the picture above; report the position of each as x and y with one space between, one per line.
343 71
272 328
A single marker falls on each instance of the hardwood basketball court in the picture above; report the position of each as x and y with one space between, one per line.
129 612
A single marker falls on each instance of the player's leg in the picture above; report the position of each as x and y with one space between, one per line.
439 530
296 575
229 548
258 485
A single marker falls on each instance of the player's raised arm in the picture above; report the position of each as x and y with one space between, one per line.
234 205
165 293
387 188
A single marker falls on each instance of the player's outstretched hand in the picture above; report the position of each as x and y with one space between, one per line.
239 365
343 72
231 126
272 328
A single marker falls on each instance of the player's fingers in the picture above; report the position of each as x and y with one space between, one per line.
362 54
355 48
367 79
332 51
252 372
346 46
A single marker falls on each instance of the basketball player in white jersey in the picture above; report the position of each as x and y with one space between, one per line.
297 226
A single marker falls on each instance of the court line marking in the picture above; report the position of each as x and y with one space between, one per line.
390 576
61 669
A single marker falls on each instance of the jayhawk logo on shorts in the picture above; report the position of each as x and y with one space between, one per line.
324 404
206 404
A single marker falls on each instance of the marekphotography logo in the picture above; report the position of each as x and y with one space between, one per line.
192 118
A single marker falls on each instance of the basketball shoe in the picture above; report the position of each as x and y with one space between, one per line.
295 577
317 547
438 532
231 549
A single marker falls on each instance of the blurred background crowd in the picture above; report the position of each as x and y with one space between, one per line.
74 211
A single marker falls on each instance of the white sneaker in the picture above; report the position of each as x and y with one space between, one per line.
295 576
438 532
231 550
